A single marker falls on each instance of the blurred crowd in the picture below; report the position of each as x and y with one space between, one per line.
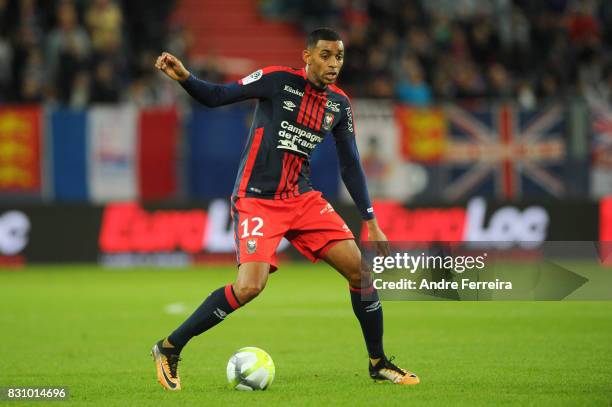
78 52
419 51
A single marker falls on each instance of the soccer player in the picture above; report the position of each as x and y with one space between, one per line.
273 196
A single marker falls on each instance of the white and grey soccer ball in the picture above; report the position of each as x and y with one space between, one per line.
250 368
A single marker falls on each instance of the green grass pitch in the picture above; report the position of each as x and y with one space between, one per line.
92 330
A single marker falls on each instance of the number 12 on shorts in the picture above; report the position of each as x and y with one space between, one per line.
256 223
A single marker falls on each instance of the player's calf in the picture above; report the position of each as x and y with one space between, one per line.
247 292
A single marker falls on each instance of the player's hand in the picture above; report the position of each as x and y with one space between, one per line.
172 66
378 238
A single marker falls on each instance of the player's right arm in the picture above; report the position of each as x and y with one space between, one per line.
212 94
354 178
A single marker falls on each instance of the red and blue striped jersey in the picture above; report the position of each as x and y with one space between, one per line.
291 118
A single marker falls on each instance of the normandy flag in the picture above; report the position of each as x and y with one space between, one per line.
20 150
422 132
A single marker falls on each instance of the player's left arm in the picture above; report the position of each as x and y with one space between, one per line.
256 85
354 177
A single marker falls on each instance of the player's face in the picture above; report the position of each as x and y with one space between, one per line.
324 61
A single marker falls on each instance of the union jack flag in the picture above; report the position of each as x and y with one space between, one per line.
505 153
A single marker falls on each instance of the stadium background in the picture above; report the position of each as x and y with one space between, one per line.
509 101
468 113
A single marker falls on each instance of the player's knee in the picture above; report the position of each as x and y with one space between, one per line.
247 291
357 277
354 281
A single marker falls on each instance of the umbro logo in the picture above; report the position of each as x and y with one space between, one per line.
326 209
373 307
219 313
288 105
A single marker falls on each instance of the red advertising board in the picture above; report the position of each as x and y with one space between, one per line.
605 230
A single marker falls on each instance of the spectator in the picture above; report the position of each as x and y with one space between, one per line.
34 77
6 52
549 87
104 20
80 94
180 42
441 32
483 43
522 50
421 45
105 86
68 50
411 87
468 81
499 82
379 82
143 90
30 18
443 86
352 69
26 43
526 96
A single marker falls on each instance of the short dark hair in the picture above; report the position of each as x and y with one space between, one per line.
324 33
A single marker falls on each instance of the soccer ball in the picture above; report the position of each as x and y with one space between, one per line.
250 368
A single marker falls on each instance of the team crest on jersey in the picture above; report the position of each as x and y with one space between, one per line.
328 120
252 77
251 246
